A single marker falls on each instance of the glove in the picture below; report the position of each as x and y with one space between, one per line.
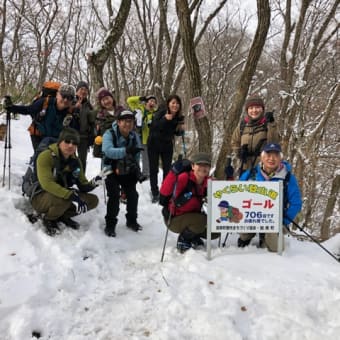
269 117
132 149
181 166
243 154
165 213
67 120
142 99
229 170
81 206
180 133
7 102
96 181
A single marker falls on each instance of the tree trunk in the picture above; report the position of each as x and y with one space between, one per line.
263 14
97 60
193 71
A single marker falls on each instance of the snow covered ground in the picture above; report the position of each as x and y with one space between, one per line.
84 285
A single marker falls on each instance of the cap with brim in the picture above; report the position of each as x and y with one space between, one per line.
272 147
201 158
126 114
69 134
147 98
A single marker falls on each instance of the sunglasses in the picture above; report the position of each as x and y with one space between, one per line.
69 141
67 97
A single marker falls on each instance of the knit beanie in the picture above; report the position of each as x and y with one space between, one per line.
254 100
69 134
82 84
103 92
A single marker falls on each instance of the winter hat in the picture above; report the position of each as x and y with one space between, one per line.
67 91
147 98
254 100
125 114
103 92
272 147
82 84
201 158
69 134
223 204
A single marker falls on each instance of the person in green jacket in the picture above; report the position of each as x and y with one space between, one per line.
144 109
58 171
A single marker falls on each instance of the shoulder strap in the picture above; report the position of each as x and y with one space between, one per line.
285 190
114 138
242 126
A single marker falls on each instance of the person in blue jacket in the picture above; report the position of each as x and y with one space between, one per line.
272 167
121 148
48 121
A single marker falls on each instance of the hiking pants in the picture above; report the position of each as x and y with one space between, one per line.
145 161
154 155
128 185
195 222
270 239
82 151
54 207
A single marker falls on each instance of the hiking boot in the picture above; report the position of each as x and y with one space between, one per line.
69 222
182 244
110 230
51 227
241 243
197 242
135 226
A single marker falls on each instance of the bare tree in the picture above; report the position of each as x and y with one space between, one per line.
97 59
263 14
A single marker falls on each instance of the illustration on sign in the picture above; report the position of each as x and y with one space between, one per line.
229 213
244 207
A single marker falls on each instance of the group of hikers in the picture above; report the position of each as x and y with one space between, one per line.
122 134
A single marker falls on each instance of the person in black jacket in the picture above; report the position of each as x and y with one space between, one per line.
168 122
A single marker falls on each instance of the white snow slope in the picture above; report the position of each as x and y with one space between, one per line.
84 285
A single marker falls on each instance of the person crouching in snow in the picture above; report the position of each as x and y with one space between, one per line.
273 168
58 170
185 206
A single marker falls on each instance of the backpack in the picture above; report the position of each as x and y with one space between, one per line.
30 184
167 191
48 90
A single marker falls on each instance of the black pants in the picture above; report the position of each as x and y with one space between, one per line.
82 151
166 158
128 185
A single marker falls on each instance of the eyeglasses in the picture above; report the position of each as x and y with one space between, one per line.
67 97
68 141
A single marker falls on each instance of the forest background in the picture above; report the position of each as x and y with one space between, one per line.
288 52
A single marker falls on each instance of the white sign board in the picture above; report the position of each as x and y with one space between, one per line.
244 207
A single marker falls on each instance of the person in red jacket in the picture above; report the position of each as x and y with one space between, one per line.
185 207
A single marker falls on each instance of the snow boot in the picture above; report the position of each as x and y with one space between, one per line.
241 243
69 222
110 229
135 226
51 227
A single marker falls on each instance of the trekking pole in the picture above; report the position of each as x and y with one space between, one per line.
8 147
166 237
184 146
225 240
313 239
